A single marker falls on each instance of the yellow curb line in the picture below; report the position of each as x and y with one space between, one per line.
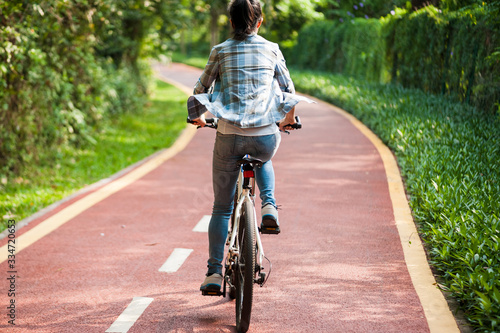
57 220
436 309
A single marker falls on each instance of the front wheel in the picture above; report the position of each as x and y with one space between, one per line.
245 269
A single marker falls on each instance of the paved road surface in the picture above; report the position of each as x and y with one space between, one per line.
338 264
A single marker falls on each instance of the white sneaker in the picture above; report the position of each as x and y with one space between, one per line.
269 223
212 283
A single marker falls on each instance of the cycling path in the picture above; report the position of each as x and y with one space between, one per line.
130 255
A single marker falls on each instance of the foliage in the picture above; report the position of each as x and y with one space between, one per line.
420 57
127 30
452 53
47 97
458 4
126 139
282 21
450 159
355 49
67 66
350 9
285 18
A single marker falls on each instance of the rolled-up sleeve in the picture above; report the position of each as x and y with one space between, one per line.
209 74
282 75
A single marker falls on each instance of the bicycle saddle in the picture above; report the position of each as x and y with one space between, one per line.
250 160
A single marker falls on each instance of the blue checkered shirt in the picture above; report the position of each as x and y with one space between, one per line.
246 83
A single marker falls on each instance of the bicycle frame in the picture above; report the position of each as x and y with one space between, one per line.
245 196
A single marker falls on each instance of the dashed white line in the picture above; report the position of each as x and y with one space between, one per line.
175 261
202 226
130 315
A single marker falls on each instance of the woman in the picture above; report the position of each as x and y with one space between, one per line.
252 90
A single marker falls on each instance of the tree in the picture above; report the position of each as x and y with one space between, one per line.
348 9
285 18
282 18
124 28
217 8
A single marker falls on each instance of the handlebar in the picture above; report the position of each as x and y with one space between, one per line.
213 122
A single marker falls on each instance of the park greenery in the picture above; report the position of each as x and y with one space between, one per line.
77 103
452 53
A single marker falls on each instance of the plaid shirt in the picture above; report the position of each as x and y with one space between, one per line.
246 83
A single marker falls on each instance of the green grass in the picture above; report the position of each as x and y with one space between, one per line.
198 61
449 156
123 142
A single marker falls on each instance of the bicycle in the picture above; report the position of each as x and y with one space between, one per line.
245 256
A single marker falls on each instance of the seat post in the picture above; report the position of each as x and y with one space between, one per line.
248 174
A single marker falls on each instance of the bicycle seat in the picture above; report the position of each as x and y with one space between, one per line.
250 160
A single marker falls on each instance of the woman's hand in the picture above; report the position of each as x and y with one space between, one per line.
200 121
289 119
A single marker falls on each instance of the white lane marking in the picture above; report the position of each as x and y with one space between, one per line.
175 261
130 315
202 226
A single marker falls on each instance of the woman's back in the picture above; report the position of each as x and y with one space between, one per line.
246 74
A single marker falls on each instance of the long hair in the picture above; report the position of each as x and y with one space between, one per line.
245 15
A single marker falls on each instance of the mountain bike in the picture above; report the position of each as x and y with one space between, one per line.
244 260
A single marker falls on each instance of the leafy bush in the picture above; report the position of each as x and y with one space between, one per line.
454 53
420 49
364 48
474 56
54 89
450 159
355 48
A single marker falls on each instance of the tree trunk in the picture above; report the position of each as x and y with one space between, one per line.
268 14
214 27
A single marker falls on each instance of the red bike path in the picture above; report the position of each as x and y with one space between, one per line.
339 264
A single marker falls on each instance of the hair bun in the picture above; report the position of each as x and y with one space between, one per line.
245 15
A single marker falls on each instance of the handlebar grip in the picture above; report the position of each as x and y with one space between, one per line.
208 120
298 124
211 122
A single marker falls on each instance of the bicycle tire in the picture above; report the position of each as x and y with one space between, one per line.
245 269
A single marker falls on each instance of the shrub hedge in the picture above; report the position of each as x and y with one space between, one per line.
355 48
54 89
455 53
450 158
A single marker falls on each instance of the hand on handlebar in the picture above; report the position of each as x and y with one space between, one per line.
286 125
201 122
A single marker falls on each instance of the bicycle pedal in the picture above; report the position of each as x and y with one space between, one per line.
212 293
261 279
269 230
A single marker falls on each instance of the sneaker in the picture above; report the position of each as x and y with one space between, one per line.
269 223
212 282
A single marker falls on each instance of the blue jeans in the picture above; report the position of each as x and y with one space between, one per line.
227 151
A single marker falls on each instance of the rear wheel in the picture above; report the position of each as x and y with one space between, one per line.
245 269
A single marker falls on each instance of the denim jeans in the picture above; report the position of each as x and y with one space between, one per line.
230 148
